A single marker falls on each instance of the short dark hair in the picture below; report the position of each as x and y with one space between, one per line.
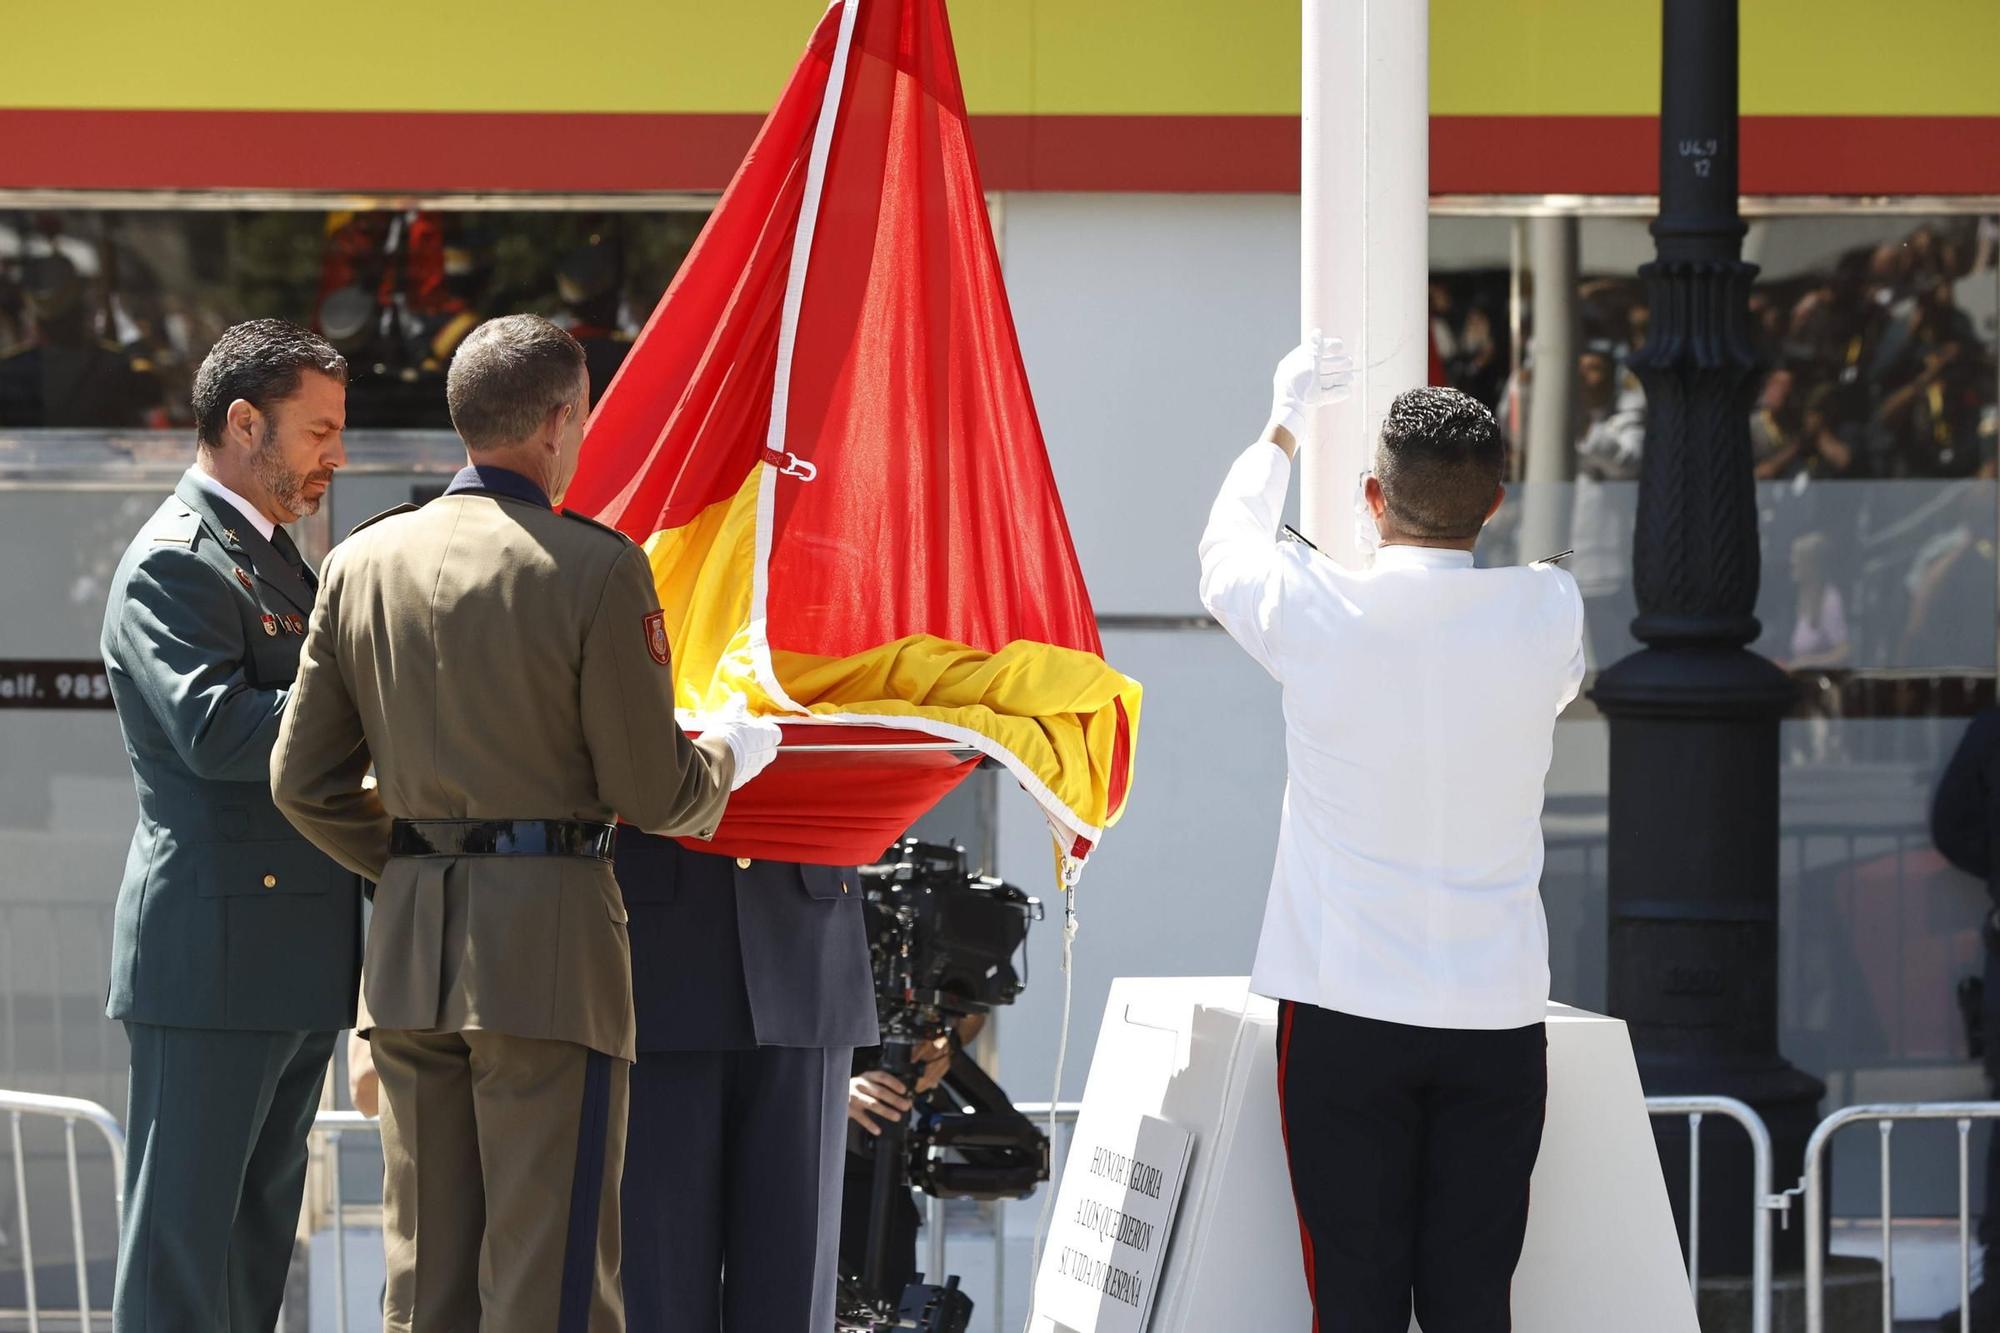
259 361
507 376
1440 461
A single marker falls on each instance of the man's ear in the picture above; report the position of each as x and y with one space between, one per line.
1378 503
553 427
1499 498
241 422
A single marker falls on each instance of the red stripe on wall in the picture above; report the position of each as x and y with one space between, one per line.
401 152
1544 154
1175 154
440 152
1782 155
1874 154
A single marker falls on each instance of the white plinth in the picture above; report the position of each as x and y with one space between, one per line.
1201 1052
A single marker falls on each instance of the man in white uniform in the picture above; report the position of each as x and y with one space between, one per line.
1404 935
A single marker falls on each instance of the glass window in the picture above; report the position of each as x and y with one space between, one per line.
1871 425
104 316
1472 299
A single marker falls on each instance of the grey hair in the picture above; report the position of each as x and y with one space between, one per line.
507 376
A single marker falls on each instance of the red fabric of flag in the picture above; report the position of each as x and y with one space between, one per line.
907 391
825 438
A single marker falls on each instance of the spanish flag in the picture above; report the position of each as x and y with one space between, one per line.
825 441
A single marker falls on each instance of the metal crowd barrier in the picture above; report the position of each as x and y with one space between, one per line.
1762 1202
69 1110
329 1127
1813 1186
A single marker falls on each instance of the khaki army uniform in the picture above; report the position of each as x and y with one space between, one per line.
494 660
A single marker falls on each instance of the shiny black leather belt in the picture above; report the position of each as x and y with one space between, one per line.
502 837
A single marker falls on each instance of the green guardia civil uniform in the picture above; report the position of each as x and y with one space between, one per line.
236 942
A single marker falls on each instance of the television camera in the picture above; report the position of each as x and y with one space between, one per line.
942 941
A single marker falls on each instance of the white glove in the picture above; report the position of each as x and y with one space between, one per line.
1315 373
753 741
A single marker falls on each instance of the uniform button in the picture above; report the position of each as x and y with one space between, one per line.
270 881
843 886
742 863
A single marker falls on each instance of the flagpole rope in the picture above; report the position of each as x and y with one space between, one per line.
1066 879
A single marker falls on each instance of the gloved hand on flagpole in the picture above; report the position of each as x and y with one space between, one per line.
1313 374
753 741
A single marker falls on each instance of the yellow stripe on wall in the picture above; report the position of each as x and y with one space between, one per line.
1055 57
1798 57
1545 58
1871 57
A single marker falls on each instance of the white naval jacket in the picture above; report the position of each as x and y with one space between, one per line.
1420 701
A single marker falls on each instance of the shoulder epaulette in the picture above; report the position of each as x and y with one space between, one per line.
386 513
585 518
180 529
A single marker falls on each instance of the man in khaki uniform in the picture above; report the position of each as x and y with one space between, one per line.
503 667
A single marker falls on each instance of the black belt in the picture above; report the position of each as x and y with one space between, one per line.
502 837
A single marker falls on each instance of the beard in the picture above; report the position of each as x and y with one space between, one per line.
286 485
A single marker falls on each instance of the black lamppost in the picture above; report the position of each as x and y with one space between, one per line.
1694 714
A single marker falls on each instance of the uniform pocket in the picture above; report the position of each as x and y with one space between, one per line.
828 883
265 867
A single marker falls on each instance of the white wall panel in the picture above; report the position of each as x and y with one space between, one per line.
1150 325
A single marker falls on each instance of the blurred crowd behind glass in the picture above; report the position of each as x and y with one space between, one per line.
1876 343
104 316
1875 333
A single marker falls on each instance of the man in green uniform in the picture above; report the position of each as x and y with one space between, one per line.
504 668
236 943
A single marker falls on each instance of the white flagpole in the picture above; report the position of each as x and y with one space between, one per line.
1364 197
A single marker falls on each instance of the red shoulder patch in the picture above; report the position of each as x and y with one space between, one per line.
656 636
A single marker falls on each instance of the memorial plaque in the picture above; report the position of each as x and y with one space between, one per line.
1101 1264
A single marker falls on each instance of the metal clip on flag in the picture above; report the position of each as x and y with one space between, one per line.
825 442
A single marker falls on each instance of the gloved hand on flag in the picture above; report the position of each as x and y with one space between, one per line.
1316 372
753 741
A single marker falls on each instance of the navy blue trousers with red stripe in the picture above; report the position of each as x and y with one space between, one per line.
1410 1151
